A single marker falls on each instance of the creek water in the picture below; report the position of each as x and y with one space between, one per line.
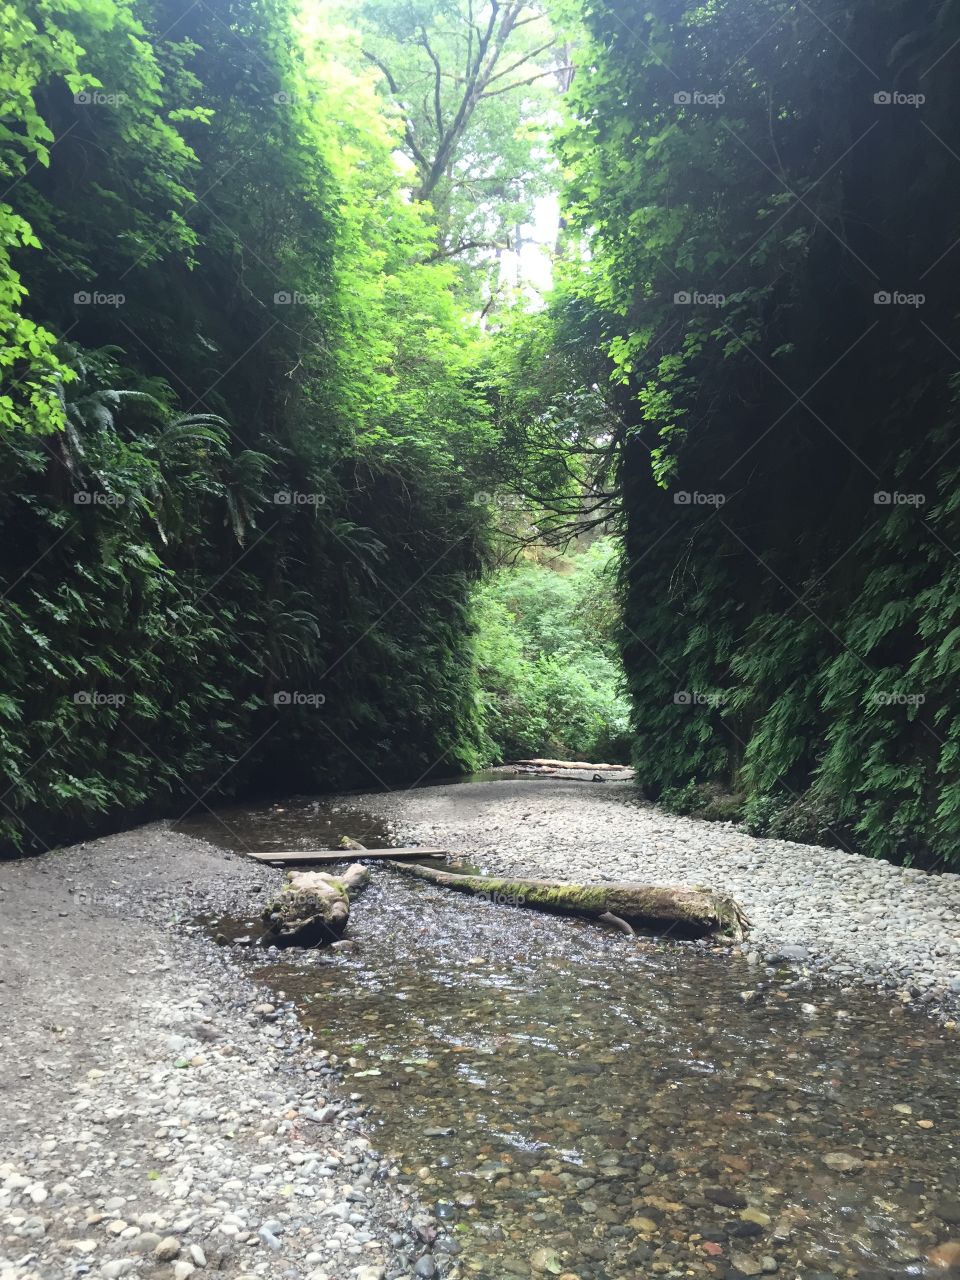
572 1101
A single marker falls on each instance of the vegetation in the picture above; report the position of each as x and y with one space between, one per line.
547 659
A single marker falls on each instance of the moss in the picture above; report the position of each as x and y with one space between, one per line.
701 909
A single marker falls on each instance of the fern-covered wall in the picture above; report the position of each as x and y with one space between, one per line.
237 550
772 197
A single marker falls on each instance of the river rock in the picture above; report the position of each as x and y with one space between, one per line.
167 1249
949 1211
842 1162
946 1255
746 1264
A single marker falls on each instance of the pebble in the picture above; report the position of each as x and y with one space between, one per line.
167 1249
842 1161
747 1265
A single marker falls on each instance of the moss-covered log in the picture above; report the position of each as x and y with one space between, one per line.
670 907
313 908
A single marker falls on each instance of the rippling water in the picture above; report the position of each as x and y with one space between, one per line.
575 1101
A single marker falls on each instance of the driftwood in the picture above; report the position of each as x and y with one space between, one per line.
668 907
313 907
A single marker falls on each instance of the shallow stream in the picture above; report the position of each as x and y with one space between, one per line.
572 1101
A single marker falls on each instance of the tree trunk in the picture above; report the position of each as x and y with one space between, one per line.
676 908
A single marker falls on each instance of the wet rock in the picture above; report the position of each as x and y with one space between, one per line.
756 1215
842 1162
725 1197
746 1264
738 1229
545 1260
948 1211
946 1255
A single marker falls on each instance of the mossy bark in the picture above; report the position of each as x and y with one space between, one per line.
313 908
694 911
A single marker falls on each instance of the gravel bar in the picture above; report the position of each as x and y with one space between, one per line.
159 1117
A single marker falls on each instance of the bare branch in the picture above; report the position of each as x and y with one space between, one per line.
438 114
520 62
410 137
507 88
464 247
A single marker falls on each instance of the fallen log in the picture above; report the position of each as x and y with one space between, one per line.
695 911
570 764
313 907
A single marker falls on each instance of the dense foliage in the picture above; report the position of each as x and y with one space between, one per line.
767 197
547 659
240 421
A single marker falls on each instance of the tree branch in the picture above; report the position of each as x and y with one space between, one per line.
438 114
529 80
464 247
520 62
421 160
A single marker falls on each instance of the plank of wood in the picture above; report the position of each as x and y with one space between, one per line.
341 855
